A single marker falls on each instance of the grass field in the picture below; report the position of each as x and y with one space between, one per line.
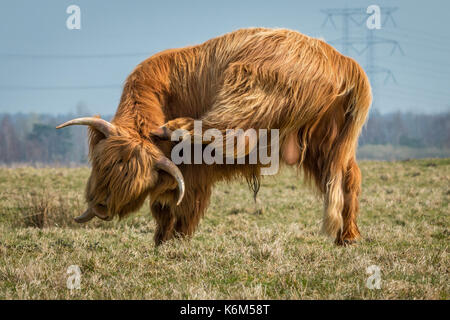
241 251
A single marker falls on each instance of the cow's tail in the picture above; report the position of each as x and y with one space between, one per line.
343 149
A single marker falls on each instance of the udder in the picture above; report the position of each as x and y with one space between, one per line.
291 149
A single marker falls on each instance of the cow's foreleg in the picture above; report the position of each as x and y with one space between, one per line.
165 222
197 201
242 148
187 224
165 132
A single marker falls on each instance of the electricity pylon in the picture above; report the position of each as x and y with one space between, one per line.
366 44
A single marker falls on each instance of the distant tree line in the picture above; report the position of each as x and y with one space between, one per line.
32 138
407 129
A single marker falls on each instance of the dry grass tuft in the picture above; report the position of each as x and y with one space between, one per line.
42 209
35 210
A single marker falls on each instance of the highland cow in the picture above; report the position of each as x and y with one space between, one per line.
254 78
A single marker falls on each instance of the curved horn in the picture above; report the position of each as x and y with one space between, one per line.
86 216
105 127
168 166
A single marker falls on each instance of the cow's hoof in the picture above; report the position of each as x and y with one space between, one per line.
345 242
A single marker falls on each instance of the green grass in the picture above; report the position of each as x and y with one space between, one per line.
238 252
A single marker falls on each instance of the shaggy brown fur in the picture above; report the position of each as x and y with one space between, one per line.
251 78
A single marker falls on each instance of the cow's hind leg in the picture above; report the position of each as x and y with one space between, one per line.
352 188
330 161
341 204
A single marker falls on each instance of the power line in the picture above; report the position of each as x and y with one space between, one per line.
417 100
429 34
434 93
405 94
419 61
428 74
420 38
72 56
418 92
93 87
425 43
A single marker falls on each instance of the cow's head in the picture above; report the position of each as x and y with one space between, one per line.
124 170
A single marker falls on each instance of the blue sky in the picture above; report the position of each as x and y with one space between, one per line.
46 68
